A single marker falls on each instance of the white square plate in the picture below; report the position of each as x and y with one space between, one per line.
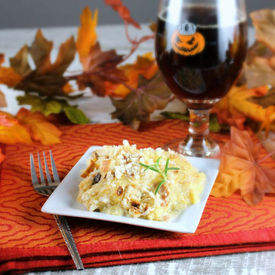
63 199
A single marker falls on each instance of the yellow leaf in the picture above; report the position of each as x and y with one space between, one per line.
239 99
40 128
87 36
237 105
11 131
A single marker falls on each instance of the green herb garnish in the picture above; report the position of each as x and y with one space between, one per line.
155 167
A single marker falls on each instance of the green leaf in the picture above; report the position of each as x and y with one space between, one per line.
36 103
53 107
75 115
49 106
214 125
171 115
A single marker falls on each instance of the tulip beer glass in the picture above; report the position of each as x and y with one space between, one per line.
200 48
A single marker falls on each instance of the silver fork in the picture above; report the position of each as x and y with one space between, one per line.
46 188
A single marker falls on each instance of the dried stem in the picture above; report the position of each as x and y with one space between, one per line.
135 42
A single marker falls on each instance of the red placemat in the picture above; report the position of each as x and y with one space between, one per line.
30 240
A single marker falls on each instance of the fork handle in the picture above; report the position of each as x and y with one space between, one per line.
68 237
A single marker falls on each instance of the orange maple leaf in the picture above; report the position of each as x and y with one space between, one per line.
98 66
11 131
245 166
7 75
87 36
145 65
40 128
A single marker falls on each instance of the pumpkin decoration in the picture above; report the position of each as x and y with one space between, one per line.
187 41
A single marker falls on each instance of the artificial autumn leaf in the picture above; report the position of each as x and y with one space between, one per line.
137 106
40 128
48 106
238 105
75 115
268 141
2 58
64 58
264 22
101 68
11 131
47 78
87 36
3 102
243 100
245 166
226 113
259 68
259 72
7 75
123 12
145 65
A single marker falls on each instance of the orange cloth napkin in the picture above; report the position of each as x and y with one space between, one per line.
30 239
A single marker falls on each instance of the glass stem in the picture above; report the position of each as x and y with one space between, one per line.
199 124
198 143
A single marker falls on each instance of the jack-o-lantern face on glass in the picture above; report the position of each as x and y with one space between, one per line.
186 41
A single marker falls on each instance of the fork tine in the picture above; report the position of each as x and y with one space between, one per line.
55 174
48 175
33 172
42 179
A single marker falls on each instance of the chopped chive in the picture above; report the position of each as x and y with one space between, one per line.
159 185
155 167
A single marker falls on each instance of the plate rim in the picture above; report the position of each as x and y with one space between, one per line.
159 225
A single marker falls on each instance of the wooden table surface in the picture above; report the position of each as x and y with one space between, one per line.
98 109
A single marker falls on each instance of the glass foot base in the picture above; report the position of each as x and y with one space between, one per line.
205 147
